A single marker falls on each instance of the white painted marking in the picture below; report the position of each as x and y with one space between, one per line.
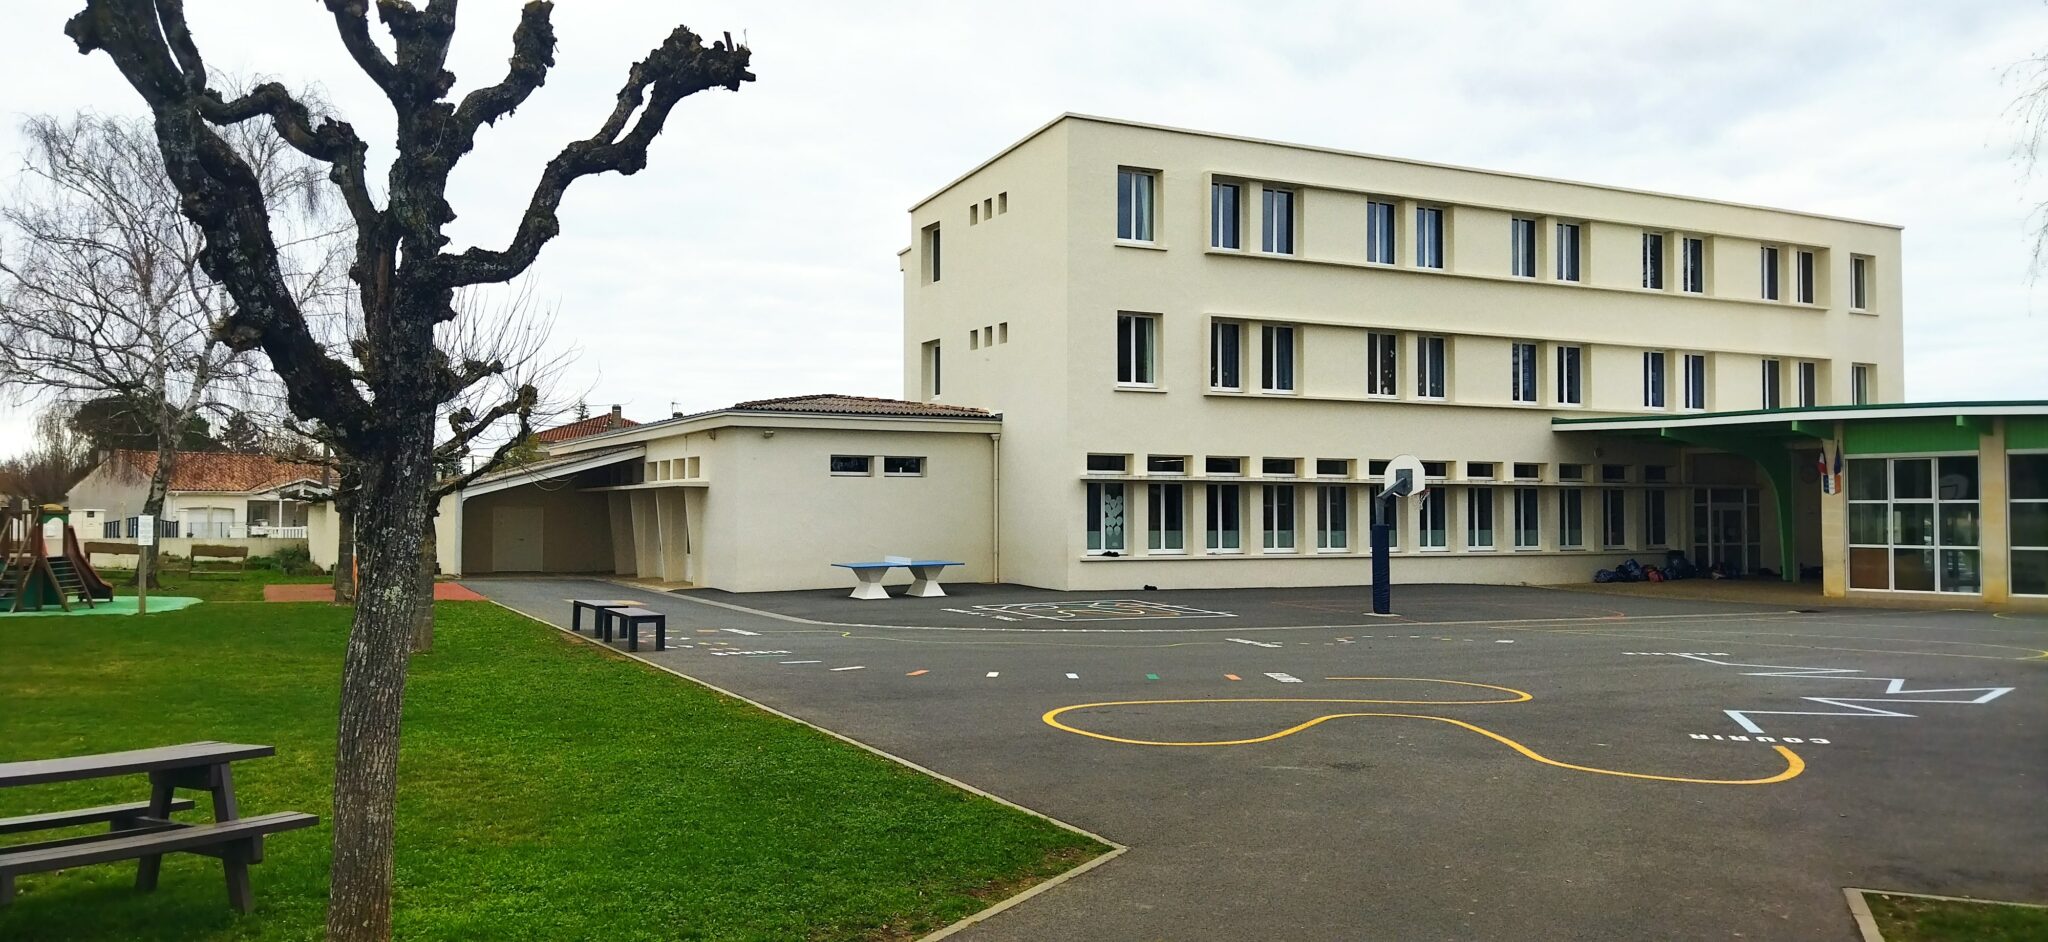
1503 642
743 631
1283 677
1072 676
799 662
857 667
1849 706
994 673
1258 644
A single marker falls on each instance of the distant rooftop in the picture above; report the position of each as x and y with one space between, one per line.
582 427
840 404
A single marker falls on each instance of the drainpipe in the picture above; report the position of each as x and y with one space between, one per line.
995 486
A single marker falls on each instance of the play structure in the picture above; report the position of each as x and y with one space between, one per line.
32 577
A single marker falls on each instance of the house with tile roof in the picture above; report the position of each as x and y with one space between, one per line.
212 495
614 419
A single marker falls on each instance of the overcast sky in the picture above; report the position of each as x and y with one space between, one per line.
756 254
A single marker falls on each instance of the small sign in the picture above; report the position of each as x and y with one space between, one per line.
145 530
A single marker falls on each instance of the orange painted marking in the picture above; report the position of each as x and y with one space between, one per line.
916 673
1232 677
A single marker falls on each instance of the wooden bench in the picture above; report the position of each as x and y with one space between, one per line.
240 554
597 609
238 842
97 548
629 621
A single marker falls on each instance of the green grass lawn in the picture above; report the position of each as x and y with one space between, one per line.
548 791
211 585
1918 919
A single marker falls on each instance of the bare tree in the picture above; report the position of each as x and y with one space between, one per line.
101 292
383 409
47 472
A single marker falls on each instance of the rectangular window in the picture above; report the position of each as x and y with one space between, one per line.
1773 380
1105 518
1134 204
1803 278
1479 470
1435 523
1280 467
1108 464
1226 355
1571 525
1137 337
1569 389
1528 518
1276 234
1166 464
931 253
1479 518
1522 375
1429 237
1527 471
852 464
1859 284
1695 381
1614 518
933 373
1224 218
1522 248
1770 272
1656 517
1333 518
1614 473
1656 473
1429 367
1276 357
1653 379
1653 261
1571 472
1278 501
1165 518
1220 465
1436 470
1809 383
903 467
1859 383
1379 233
1225 529
2027 504
1567 251
1333 467
1692 265
1382 362
1913 524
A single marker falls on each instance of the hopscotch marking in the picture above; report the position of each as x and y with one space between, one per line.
1850 706
1256 644
743 631
1283 677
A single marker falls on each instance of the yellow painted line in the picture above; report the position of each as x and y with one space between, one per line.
918 673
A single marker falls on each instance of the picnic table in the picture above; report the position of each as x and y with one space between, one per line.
143 830
924 577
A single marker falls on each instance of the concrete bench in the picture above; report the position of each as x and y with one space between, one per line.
629 621
924 577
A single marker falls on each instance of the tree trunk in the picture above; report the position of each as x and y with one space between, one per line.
396 485
153 506
423 623
344 546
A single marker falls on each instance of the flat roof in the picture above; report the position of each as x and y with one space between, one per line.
1888 410
977 168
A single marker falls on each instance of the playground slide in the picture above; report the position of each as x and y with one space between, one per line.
87 576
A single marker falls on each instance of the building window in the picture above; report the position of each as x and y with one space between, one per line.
1527 471
1522 378
1614 518
1429 237
1429 367
1653 379
1653 261
1225 535
858 465
1382 361
1571 472
1773 379
1803 278
931 253
1567 251
1333 467
1105 518
1859 283
1859 383
1333 518
1656 473
1379 232
2027 509
1695 381
1614 473
1108 464
1571 525
1770 272
1137 340
1279 516
1221 465
1276 357
1226 354
1656 517
1522 248
1383 512
1692 265
1809 383
1435 524
1569 388
1479 518
1225 220
1479 470
1166 464
1913 524
903 467
1277 232
1280 467
1165 518
1134 204
1528 518
933 375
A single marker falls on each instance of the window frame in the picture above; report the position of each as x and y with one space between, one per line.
1218 498
1429 237
1278 358
1770 259
1432 379
1528 517
1773 383
1936 541
1805 273
1136 211
1433 524
1279 519
934 244
1859 283
1693 374
1219 362
1568 268
1653 261
1380 237
1158 498
1807 373
918 473
1692 264
1096 522
1571 518
1859 383
1522 372
1226 224
1333 507
1277 240
2014 502
1135 367
866 462
1613 518
1570 375
1382 364
1655 380
1481 507
1521 247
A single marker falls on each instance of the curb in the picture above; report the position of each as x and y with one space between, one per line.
1115 849
1859 908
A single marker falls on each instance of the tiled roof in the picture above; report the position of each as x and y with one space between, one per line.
836 404
589 426
223 471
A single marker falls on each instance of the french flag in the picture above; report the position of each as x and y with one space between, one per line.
1827 478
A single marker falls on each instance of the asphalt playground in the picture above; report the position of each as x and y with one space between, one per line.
1491 763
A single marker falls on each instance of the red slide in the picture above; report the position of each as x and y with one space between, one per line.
87 576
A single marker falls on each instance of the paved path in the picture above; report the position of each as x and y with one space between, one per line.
1569 794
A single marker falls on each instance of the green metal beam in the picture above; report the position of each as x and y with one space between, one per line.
1825 431
1981 424
1779 468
